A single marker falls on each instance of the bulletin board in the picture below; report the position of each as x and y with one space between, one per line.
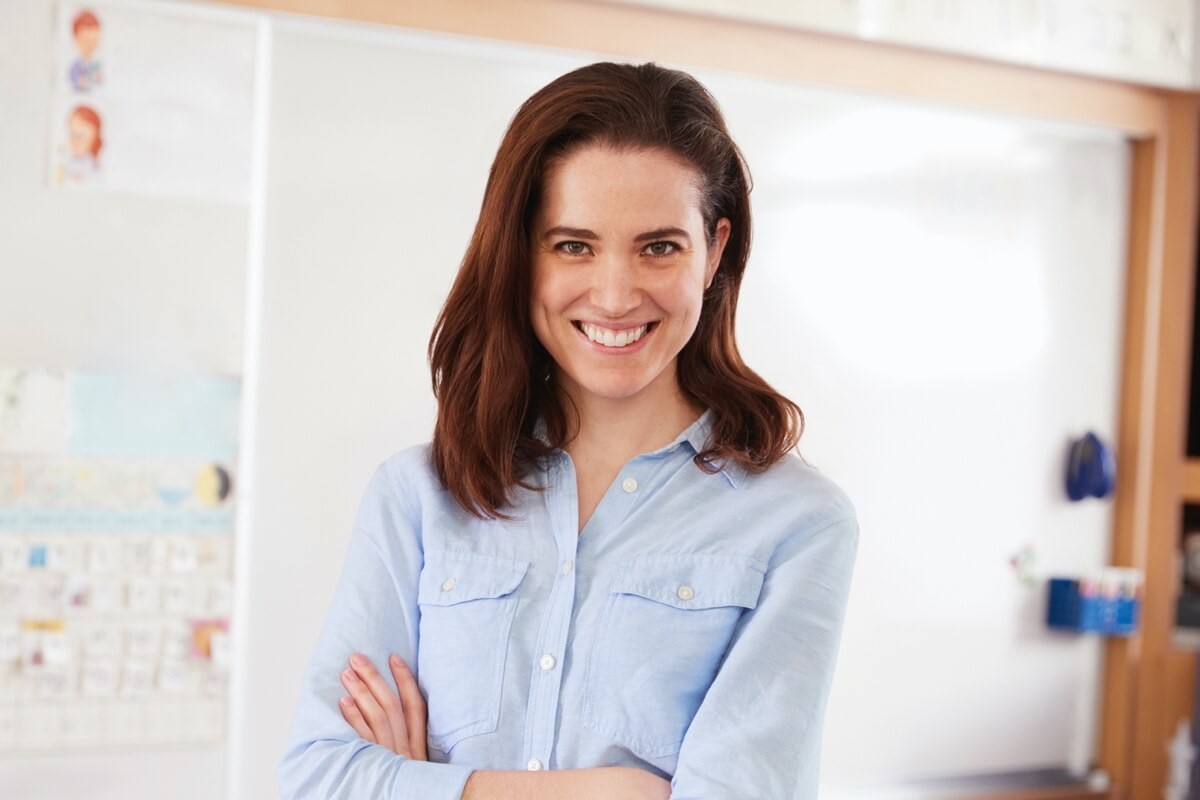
116 559
137 278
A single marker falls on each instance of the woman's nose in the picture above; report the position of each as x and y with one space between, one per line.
614 285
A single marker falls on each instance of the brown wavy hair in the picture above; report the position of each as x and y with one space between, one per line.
492 378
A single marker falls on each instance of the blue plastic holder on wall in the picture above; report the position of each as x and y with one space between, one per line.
1091 469
1087 607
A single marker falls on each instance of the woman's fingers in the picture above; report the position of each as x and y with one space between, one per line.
353 716
376 718
414 706
388 702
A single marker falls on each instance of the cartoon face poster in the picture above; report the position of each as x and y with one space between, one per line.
86 72
82 160
81 136
154 99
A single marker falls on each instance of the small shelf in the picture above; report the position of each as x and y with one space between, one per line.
1183 638
1081 792
1190 482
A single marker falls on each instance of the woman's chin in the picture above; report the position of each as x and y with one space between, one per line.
618 389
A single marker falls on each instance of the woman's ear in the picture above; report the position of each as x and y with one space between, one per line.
715 250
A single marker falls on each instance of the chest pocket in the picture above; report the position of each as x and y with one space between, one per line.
663 634
467 606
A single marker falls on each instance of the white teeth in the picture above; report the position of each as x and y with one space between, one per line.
611 338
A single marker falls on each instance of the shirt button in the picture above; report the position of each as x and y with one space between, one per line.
534 765
567 567
685 592
448 584
547 661
629 485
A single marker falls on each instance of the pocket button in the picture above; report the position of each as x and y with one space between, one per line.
685 592
448 584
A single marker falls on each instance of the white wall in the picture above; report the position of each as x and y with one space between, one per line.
103 280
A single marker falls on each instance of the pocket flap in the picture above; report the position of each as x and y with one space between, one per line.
689 581
450 578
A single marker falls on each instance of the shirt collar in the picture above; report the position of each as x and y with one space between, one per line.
696 436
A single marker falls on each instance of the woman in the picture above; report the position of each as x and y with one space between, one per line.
613 579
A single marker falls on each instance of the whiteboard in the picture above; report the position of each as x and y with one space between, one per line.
941 292
943 296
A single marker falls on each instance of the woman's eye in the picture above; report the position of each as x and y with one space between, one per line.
573 248
661 248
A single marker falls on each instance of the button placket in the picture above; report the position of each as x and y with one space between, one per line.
546 678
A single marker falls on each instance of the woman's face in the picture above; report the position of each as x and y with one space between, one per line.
620 265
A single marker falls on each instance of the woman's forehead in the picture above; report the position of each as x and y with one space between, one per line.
602 183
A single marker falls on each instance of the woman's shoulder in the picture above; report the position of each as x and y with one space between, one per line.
810 495
405 486
410 462
407 474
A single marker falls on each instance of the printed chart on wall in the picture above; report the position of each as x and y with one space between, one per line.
116 542
151 99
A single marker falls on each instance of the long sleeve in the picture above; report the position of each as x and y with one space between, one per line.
757 732
374 612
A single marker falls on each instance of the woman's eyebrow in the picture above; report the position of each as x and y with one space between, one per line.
564 230
648 236
662 233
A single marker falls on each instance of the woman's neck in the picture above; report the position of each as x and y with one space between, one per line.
615 430
611 431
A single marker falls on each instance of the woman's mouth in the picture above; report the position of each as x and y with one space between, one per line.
609 337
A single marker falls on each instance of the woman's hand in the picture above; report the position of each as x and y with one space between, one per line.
378 714
398 723
595 783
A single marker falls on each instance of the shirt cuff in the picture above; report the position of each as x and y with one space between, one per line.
427 780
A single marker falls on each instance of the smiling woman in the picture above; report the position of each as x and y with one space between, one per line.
607 576
614 304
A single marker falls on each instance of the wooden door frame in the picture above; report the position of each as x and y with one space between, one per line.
1147 685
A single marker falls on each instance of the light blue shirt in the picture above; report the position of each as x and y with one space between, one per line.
690 629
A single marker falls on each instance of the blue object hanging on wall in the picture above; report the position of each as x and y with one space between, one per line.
1078 605
1091 468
